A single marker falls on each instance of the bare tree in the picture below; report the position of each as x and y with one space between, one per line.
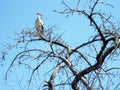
90 65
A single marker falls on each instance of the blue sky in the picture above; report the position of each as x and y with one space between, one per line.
18 14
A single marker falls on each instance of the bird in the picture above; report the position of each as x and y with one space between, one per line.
39 25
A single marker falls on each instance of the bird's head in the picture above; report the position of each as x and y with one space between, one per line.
39 14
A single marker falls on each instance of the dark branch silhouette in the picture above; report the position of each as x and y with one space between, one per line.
80 67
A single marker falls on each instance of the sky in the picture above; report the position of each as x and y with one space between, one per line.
18 14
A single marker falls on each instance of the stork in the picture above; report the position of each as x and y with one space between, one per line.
39 25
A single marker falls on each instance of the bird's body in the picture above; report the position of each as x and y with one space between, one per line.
39 25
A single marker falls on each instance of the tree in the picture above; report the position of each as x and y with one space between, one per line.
90 65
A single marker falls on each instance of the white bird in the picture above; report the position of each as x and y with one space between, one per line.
39 25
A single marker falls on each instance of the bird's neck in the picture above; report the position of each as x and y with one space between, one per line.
38 16
40 19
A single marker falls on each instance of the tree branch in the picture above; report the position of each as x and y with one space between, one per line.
91 68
